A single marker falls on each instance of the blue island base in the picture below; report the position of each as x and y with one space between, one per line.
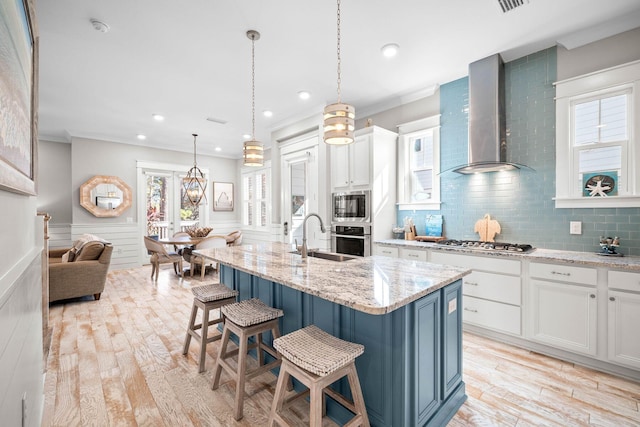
411 369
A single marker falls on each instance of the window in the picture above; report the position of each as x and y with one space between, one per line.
255 199
419 164
596 154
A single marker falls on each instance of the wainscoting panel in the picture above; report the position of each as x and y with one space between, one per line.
126 240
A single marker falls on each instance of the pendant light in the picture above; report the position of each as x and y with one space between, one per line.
339 117
253 152
195 184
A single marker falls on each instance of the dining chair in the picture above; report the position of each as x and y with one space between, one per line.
176 247
206 243
159 255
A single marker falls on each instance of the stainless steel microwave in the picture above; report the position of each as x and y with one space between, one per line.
352 206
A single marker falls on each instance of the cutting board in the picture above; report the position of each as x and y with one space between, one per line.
487 228
429 238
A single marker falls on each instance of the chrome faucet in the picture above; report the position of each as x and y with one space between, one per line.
304 232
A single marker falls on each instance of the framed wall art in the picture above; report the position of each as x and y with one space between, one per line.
18 97
222 196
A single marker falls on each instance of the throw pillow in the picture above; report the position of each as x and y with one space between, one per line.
69 256
90 251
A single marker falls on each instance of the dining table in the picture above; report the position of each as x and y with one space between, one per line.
180 240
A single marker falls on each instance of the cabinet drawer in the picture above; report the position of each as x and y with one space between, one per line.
413 254
491 286
386 251
624 280
498 265
564 273
492 315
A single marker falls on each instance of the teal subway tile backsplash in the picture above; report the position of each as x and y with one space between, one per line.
522 201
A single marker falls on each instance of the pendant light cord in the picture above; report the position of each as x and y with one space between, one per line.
195 135
253 87
339 52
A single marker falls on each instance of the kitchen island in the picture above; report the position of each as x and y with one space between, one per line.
407 315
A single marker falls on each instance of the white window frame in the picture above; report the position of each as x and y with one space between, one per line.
407 132
600 84
255 173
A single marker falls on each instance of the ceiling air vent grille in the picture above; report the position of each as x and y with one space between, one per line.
509 5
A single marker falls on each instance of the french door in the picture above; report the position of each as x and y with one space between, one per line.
163 209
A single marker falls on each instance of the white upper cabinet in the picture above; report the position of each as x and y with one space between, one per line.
351 164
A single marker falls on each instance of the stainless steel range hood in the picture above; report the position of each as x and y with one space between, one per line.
487 122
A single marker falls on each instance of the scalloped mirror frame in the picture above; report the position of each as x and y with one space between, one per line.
86 201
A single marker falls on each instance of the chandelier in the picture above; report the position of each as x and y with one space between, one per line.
253 152
339 117
195 184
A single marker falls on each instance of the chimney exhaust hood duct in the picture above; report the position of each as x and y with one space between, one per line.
487 122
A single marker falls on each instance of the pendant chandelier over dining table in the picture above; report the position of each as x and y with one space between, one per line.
339 118
253 151
195 183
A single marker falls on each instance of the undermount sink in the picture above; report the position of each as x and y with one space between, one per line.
328 256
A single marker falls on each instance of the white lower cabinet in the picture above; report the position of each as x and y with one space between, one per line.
414 254
492 299
624 318
564 313
385 251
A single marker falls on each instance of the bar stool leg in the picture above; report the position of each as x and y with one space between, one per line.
241 377
204 334
259 349
356 394
192 322
226 334
315 415
279 394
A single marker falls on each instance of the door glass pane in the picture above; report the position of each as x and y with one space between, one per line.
157 208
189 214
298 199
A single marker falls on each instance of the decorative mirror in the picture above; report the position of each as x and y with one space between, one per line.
105 196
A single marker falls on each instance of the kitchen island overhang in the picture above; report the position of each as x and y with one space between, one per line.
407 314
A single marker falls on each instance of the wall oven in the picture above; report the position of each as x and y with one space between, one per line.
351 239
352 206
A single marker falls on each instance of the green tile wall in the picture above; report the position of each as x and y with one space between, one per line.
522 201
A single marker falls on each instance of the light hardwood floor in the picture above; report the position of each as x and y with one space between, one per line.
119 362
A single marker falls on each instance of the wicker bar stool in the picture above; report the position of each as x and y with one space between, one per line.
318 359
206 298
246 319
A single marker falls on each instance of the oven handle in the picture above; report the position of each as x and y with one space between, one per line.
347 236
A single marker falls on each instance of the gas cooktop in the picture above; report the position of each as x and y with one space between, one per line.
489 246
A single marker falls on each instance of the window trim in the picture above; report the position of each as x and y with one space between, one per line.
407 131
254 172
596 85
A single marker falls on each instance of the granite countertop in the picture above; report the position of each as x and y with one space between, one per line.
374 285
631 263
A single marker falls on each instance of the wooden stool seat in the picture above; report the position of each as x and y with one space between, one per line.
246 319
206 298
318 359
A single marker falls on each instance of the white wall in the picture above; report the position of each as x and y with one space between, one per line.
54 171
21 365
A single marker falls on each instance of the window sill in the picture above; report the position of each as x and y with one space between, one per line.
598 202
433 205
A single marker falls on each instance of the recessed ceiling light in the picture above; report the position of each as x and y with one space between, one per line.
218 149
141 137
267 113
303 94
158 117
390 50
246 136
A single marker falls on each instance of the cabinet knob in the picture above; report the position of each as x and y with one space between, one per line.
612 298
592 296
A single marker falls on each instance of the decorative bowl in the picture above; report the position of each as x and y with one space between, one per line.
198 231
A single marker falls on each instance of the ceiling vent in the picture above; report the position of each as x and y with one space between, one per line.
509 5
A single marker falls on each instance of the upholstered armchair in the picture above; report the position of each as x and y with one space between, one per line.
84 274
